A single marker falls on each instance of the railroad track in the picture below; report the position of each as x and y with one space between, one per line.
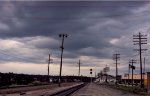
69 91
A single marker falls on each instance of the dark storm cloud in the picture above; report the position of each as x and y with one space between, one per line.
90 25
52 18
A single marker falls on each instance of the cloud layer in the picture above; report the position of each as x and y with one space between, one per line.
29 32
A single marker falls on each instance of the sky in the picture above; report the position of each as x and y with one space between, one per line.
29 32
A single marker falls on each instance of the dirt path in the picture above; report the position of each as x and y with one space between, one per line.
100 90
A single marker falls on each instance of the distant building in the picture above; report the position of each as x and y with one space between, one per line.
127 79
103 78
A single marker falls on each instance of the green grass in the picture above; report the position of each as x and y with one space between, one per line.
135 89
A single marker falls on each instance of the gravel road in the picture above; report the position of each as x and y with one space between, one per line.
100 90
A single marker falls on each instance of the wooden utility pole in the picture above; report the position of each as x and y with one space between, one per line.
79 68
49 61
95 72
140 40
144 71
62 48
48 64
144 64
116 57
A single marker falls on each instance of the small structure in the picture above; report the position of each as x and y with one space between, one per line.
127 78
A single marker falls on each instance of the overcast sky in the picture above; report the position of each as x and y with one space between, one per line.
29 31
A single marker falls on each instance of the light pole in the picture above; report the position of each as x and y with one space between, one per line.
62 48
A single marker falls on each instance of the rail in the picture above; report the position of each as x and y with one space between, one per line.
68 91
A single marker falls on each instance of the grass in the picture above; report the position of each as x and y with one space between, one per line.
134 89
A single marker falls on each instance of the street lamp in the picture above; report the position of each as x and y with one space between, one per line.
62 48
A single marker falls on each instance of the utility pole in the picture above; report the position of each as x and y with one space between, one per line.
140 40
133 68
48 64
62 48
95 72
116 57
79 68
49 61
144 64
144 70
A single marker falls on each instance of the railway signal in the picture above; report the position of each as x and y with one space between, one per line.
129 73
132 67
90 71
91 74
